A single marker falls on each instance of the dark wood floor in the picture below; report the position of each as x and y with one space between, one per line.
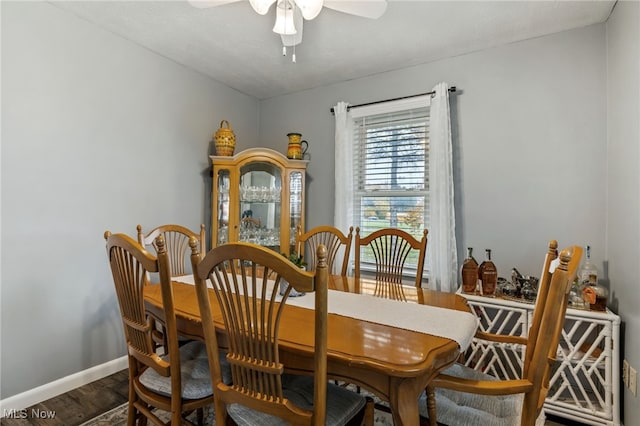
86 402
79 405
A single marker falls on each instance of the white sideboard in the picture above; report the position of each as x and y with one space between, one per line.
585 380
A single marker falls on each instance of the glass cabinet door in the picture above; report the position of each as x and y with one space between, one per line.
258 196
260 204
222 219
295 207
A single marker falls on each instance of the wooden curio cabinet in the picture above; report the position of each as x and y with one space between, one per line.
258 197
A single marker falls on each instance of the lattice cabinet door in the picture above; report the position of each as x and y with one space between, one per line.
585 379
498 359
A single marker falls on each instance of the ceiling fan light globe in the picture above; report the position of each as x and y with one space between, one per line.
284 21
261 6
309 8
294 39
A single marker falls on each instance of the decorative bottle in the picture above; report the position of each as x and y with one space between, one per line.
588 272
594 295
469 273
488 275
480 269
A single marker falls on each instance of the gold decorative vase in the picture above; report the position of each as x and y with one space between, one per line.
225 140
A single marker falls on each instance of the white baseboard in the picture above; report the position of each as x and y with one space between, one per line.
42 393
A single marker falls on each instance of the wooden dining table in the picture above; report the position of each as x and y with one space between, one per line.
394 363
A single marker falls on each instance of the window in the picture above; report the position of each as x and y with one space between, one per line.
390 168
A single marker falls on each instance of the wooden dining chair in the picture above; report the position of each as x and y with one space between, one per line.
332 238
251 309
178 383
462 395
176 238
391 247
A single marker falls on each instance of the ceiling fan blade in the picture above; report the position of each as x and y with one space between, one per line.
261 6
310 8
372 9
294 39
203 4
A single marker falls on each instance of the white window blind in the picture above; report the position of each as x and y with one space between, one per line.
390 169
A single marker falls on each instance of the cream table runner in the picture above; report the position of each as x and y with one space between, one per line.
448 323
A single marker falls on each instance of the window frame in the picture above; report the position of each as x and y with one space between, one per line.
390 107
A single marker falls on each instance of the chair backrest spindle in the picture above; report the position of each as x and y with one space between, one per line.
391 247
334 241
176 238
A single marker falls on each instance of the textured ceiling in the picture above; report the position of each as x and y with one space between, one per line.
234 45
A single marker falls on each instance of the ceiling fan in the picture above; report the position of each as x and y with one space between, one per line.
290 14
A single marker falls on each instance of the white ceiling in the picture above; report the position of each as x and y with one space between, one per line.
234 45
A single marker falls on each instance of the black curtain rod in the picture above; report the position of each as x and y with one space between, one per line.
451 89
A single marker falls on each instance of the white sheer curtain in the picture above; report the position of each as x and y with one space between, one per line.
343 169
442 230
343 209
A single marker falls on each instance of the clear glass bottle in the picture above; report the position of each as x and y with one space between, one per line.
575 295
469 273
595 295
588 271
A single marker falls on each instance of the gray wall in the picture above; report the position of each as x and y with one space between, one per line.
529 142
97 134
623 180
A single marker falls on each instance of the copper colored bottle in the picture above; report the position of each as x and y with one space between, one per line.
488 275
480 269
469 273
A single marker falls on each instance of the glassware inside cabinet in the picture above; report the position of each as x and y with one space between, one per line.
223 206
260 196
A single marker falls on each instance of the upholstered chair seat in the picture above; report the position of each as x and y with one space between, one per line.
458 408
196 378
342 404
